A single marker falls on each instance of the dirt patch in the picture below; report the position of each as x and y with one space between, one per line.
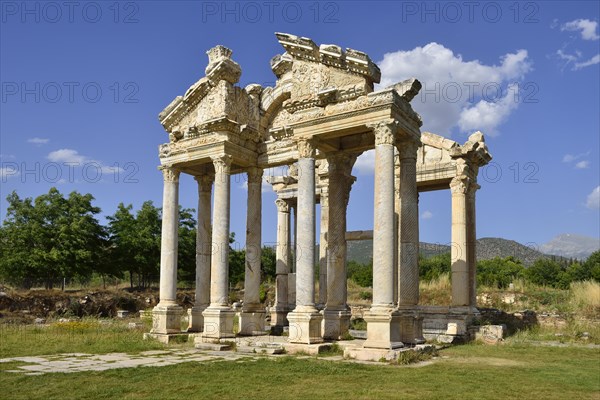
491 361
26 306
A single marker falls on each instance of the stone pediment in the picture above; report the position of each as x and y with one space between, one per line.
213 98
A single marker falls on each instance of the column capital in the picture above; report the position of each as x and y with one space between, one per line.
205 182
407 150
385 131
306 148
255 175
462 182
341 162
222 163
170 174
282 206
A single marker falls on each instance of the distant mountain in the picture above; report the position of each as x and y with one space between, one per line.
487 248
571 246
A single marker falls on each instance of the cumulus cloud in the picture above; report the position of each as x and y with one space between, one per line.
67 156
426 214
582 164
38 141
74 158
586 27
8 172
455 91
593 199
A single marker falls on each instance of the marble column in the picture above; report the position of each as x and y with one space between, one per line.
411 327
203 253
282 267
218 317
252 318
323 245
383 319
472 244
166 316
292 257
337 313
459 251
305 320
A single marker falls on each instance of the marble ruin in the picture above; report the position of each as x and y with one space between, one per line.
321 114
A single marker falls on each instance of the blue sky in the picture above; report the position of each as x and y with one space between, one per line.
83 83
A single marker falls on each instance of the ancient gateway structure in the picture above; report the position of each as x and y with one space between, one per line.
321 114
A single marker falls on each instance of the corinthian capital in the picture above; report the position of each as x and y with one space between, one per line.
385 131
170 174
205 182
407 150
282 206
222 163
255 175
306 148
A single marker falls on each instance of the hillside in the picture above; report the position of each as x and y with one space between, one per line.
487 248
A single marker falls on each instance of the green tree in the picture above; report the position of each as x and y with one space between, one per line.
268 263
499 272
592 264
361 274
186 258
432 267
545 271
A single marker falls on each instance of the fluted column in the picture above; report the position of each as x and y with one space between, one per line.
305 320
252 318
282 267
382 321
323 245
218 317
166 316
408 256
203 253
472 243
337 313
459 251
411 327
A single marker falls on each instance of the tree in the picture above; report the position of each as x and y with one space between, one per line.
122 231
545 271
50 238
499 272
361 274
186 258
592 264
432 267
268 263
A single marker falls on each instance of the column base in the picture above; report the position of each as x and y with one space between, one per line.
166 319
252 323
383 328
411 326
196 319
279 316
218 323
336 324
305 326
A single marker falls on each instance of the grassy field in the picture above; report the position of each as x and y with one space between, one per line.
511 370
465 372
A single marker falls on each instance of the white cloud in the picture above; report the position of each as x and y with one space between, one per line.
586 27
365 163
67 156
488 115
570 157
38 141
453 86
426 214
8 172
593 199
592 61
582 164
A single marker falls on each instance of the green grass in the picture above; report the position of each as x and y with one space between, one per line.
465 372
78 336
